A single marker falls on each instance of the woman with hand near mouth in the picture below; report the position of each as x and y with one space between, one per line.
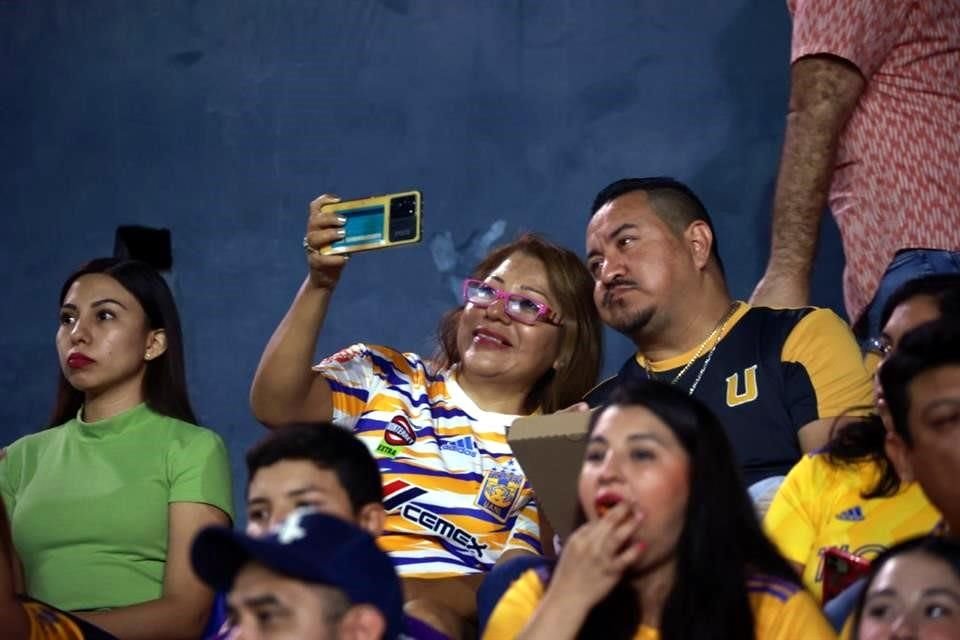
104 504
669 545
527 339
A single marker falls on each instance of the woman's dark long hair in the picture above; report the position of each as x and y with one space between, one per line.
946 550
165 381
862 440
721 545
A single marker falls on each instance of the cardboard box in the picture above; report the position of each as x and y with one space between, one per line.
550 451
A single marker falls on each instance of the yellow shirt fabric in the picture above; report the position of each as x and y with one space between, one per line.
781 610
820 505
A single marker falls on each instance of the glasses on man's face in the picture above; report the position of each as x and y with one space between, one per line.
517 306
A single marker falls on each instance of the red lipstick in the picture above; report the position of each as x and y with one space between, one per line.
606 501
79 361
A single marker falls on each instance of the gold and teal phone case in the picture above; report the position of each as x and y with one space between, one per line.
378 221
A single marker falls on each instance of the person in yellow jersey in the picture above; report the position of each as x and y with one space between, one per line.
848 494
668 546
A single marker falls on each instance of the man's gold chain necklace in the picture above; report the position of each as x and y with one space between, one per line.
714 335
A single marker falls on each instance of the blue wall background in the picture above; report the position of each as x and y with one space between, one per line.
221 120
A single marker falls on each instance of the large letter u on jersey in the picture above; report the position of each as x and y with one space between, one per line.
734 397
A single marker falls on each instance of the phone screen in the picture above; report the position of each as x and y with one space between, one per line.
364 226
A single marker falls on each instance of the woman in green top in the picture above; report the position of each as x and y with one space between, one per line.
104 506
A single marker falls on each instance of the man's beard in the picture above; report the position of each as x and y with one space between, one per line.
629 323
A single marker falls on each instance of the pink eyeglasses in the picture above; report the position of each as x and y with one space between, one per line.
517 306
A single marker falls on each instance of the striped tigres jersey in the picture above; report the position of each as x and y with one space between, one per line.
46 623
455 497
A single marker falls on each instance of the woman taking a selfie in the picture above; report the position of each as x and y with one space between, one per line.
104 504
527 339
669 546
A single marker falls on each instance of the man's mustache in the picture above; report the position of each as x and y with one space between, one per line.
611 287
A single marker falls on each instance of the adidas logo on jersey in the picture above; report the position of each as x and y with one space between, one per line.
462 445
853 514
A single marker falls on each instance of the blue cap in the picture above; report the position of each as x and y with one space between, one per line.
312 547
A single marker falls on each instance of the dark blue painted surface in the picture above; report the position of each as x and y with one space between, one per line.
221 120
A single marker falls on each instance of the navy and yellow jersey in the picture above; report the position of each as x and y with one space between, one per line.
46 623
456 498
773 372
781 610
821 505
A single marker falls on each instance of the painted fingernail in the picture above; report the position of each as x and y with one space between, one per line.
341 233
341 220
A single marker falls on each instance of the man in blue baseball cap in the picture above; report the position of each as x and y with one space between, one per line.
316 577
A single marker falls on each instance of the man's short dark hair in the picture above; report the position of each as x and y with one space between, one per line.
329 447
674 202
930 346
944 288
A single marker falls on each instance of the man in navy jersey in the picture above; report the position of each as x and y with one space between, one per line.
776 378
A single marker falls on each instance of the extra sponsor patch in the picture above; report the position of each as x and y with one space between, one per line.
386 450
499 492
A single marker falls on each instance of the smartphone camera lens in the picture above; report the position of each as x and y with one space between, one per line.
403 220
403 207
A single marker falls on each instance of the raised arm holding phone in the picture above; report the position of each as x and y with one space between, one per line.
526 339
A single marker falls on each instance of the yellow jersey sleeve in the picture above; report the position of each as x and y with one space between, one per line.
824 345
515 607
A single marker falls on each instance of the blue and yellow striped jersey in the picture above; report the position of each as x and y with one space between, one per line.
456 498
46 623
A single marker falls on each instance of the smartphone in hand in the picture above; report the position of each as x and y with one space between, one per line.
840 570
378 222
